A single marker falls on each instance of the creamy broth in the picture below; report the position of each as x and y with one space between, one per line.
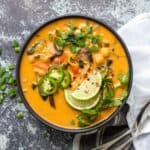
64 114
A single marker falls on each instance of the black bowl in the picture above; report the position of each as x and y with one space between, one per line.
85 129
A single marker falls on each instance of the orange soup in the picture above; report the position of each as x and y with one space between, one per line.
74 73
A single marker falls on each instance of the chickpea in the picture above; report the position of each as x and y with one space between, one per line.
99 58
105 51
106 43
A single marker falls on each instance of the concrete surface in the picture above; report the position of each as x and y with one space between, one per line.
18 18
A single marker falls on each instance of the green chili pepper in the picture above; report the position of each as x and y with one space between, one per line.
67 80
47 86
57 73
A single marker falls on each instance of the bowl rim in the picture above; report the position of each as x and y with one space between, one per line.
76 130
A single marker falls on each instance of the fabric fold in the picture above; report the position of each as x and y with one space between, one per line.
136 35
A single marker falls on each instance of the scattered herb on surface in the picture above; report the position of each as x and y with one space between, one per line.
16 46
11 92
7 82
1 98
2 71
19 115
11 81
2 87
19 100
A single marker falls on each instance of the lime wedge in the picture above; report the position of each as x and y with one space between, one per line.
89 88
80 104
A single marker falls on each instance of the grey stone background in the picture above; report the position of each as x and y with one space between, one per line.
18 18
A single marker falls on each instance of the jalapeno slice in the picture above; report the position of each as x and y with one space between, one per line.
67 80
57 73
47 86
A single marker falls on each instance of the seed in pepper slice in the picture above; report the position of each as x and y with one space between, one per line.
56 72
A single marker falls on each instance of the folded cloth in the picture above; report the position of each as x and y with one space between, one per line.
94 138
136 35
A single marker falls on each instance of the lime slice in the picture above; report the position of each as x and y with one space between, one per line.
80 104
89 88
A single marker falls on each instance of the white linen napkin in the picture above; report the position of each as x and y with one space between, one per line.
136 35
